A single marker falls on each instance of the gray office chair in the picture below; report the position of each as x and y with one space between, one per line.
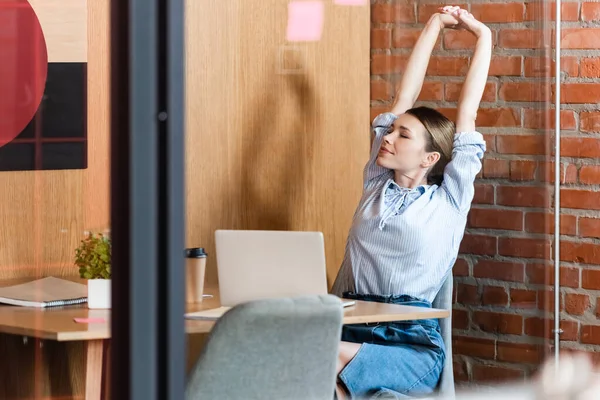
271 349
443 300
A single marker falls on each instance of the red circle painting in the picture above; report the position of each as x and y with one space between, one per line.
23 69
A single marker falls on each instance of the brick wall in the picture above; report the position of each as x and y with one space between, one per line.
503 317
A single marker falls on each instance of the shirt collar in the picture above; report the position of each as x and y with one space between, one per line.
392 185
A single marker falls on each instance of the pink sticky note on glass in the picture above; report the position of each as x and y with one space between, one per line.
351 2
90 320
305 21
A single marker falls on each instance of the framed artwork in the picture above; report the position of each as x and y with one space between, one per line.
43 85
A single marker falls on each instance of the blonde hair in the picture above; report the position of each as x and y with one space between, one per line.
439 138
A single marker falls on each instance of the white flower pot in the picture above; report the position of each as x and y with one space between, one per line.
98 293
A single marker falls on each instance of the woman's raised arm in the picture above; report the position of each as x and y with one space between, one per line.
412 79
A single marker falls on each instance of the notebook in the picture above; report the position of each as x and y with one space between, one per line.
45 292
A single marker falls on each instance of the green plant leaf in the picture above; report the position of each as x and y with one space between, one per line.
93 257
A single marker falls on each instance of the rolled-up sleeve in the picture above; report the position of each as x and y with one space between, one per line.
460 172
380 127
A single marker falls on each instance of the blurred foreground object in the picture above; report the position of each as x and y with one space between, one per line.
574 379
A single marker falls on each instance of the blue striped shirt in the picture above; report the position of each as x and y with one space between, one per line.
405 241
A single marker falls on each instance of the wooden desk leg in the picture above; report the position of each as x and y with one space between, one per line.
93 369
106 371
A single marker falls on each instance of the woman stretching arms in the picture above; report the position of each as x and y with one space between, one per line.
406 231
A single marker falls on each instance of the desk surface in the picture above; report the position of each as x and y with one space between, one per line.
57 323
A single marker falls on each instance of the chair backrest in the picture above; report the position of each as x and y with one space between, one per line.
443 300
271 349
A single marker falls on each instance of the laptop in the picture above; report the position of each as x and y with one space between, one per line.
254 265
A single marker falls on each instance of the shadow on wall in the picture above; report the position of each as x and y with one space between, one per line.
278 151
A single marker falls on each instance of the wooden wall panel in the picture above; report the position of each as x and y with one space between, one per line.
273 150
44 213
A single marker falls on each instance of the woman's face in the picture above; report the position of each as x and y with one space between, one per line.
403 147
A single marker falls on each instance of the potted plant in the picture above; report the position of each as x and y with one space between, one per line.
93 257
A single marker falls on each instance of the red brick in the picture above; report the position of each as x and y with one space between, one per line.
579 93
457 40
490 373
381 38
568 172
496 219
500 270
431 91
598 307
405 38
478 244
590 279
387 64
521 144
524 247
590 121
522 298
539 222
580 38
542 327
520 352
528 38
461 267
590 334
494 296
589 227
460 319
523 91
505 66
580 147
498 117
449 113
498 12
544 119
543 274
484 194
392 13
582 199
474 347
495 168
452 92
546 300
589 174
495 322
460 371
490 142
522 196
425 11
380 90
447 66
576 304
522 170
376 110
586 253
590 67
467 294
590 11
542 67
535 11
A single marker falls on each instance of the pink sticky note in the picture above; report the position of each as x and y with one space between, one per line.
305 21
90 320
351 2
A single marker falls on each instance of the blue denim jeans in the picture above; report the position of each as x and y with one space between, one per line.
396 359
